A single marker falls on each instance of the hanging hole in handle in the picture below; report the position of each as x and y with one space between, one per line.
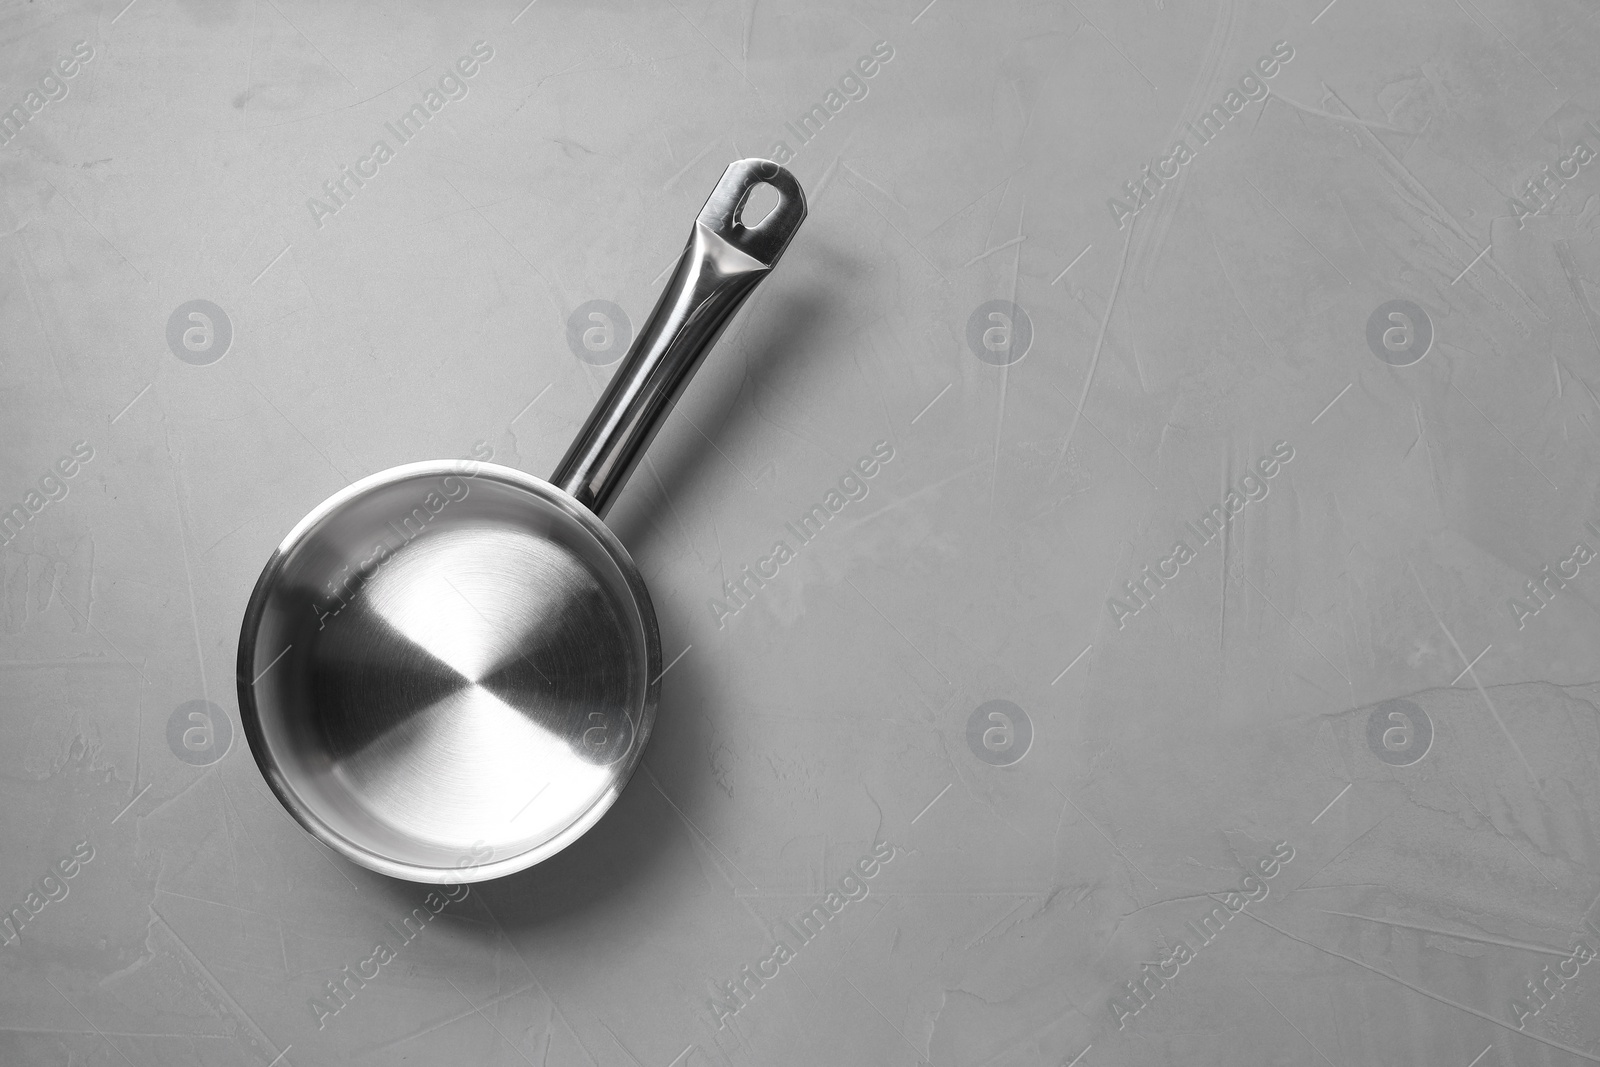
759 201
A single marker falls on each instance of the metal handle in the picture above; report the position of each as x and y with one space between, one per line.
719 268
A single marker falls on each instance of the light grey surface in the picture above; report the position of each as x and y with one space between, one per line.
1170 750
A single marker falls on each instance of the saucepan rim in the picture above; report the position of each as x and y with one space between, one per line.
304 812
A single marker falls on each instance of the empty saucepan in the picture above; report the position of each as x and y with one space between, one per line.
448 671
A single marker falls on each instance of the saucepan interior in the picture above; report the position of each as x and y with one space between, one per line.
448 671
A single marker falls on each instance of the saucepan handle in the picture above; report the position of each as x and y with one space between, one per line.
720 267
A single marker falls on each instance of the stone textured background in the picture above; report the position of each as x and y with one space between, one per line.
1444 849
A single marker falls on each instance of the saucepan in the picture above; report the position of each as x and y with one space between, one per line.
448 671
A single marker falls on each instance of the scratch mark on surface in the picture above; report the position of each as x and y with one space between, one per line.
731 64
1115 847
932 402
1114 48
188 574
1569 267
1353 231
849 170
551 289
881 191
308 41
1438 210
1457 934
1481 691
1071 665
179 795
332 466
253 1033
1431 996
1508 41
1005 370
269 266
896 629
963 472
1332 802
1416 412
440 1024
932 802
689 166
744 60
683 530
1349 119
1332 402
1234 289
1285 1018
1099 344
1474 263
997 248
1005 181
96 229
884 1017
229 830
1469 666
56 594
1108 440
132 802
1297 630
703 836
1299 231
130 403
1507 840
1305 885
84 1017
720 452
1074 263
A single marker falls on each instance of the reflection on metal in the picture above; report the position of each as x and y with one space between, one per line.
448 671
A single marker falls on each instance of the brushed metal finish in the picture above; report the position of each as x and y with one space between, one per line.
448 671
722 263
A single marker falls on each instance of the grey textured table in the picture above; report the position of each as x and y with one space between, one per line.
1193 659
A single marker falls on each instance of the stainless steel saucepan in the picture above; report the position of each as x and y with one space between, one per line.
448 671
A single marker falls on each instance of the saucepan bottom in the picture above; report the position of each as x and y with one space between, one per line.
453 671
